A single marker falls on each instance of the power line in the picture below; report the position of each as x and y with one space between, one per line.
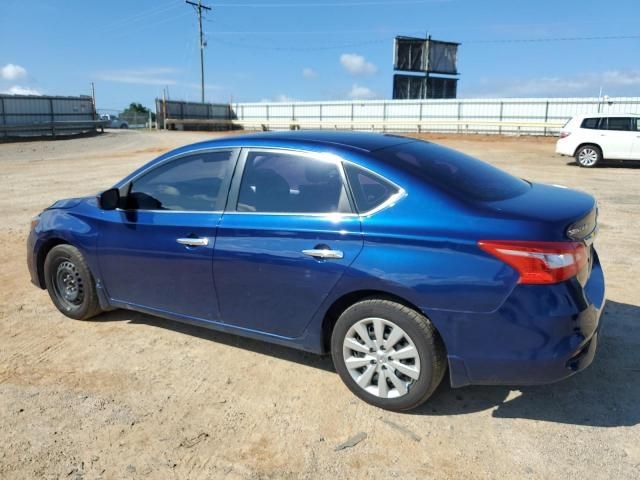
199 7
137 17
361 3
146 25
290 48
261 46
557 39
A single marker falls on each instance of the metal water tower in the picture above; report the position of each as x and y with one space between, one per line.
428 57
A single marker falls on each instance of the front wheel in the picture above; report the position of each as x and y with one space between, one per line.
588 156
70 283
387 354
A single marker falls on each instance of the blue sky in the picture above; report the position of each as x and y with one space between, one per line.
311 49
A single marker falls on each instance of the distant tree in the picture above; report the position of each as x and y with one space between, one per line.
137 110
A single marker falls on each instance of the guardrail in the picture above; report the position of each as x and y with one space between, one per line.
406 125
526 116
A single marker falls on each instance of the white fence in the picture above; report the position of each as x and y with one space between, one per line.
530 116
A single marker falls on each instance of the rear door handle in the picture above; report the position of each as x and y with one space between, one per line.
193 242
323 253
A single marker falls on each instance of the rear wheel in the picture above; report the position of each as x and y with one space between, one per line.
70 283
588 156
387 354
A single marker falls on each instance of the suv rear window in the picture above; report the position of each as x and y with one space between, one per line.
455 172
619 123
590 123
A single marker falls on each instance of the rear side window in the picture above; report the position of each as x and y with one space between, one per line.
590 123
282 182
455 172
193 183
619 123
369 190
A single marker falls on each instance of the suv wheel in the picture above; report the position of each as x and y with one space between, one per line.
70 283
588 156
387 354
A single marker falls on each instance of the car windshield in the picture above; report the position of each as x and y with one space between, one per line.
455 172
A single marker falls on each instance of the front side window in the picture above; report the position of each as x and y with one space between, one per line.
193 183
619 123
281 182
369 190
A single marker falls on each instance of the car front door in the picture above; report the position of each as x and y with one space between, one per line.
157 251
288 235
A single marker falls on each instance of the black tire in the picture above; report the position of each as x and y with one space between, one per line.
124 126
70 283
588 156
420 331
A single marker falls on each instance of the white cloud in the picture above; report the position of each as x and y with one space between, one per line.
616 77
278 98
613 82
309 73
284 98
356 64
360 92
12 72
18 90
144 76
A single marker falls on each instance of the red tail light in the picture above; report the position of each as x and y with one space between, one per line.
564 134
539 262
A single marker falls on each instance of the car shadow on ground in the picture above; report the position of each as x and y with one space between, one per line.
607 394
631 164
322 362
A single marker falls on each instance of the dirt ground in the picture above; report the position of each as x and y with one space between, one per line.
127 395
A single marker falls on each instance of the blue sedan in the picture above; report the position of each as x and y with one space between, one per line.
401 258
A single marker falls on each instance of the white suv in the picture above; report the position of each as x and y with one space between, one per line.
591 138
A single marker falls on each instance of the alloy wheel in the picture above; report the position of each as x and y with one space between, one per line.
588 157
381 357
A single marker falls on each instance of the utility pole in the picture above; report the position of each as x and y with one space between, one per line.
199 7
93 99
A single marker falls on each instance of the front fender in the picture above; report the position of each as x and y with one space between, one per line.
63 226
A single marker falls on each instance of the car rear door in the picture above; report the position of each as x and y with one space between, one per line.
635 149
157 251
287 236
616 137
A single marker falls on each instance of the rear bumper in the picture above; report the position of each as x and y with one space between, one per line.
541 334
564 147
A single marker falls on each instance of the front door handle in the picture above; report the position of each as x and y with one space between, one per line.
193 242
323 253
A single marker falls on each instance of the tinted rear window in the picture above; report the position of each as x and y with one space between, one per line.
369 190
590 123
453 171
619 123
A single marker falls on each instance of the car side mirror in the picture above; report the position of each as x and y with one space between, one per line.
109 199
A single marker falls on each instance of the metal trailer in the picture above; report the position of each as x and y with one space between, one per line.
40 115
175 114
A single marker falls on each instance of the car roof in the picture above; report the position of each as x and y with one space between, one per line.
362 141
595 115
